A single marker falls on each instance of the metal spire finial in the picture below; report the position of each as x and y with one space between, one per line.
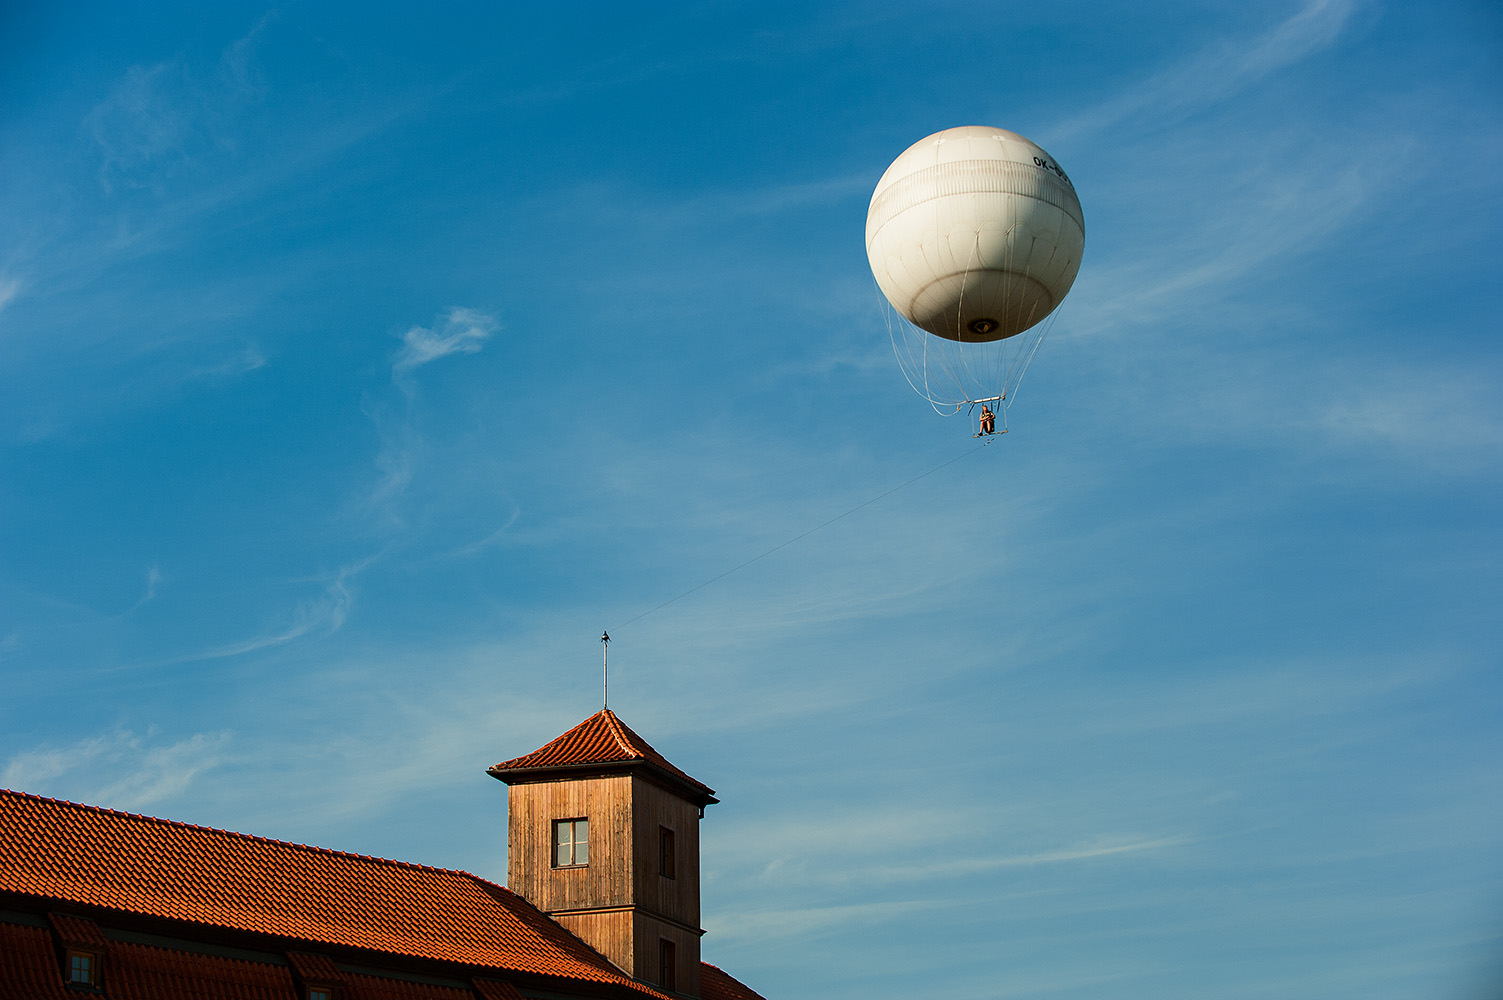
605 668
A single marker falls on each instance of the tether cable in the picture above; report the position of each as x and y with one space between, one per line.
971 451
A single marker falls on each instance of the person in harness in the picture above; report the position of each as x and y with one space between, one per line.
988 420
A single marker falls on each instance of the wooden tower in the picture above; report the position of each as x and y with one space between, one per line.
603 836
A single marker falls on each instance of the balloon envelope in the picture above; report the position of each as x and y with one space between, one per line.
974 234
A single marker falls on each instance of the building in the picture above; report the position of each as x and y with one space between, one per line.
602 899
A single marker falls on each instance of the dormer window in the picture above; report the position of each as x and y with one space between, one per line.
571 843
316 975
81 952
83 967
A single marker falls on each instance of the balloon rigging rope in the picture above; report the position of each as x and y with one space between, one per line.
1046 326
1021 359
951 374
1016 352
860 506
906 361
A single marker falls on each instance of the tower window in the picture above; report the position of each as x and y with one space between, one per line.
571 843
667 964
665 852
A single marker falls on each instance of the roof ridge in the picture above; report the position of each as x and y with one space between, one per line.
616 725
314 848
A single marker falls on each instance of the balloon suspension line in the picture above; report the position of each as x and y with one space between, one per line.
806 534
907 364
955 376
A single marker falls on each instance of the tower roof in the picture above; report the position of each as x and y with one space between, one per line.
600 744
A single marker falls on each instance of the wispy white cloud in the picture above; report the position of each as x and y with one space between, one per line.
883 848
1099 848
1422 412
323 615
1209 243
186 133
161 772
237 69
160 118
248 359
461 331
9 289
149 592
145 771
769 925
153 578
771 199
1201 243
481 544
1427 415
801 923
395 461
410 722
141 123
1446 420
1218 72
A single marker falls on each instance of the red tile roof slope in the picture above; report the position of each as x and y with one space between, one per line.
29 971
77 932
490 989
716 985
30 966
357 986
145 972
82 854
313 968
600 739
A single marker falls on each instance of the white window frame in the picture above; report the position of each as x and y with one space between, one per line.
571 842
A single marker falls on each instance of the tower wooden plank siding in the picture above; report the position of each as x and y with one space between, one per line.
603 836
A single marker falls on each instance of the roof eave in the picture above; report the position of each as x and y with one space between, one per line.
700 795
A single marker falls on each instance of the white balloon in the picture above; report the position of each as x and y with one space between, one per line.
974 234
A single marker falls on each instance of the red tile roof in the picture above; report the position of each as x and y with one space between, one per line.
30 966
716 985
98 857
313 968
77 932
602 739
490 989
357 986
29 970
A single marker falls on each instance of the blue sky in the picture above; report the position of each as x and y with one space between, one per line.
359 365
